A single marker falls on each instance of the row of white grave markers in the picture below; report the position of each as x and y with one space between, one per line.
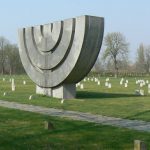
141 84
107 83
95 80
10 80
13 86
80 85
139 92
125 82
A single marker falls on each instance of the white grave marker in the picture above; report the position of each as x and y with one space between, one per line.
142 92
4 94
30 97
126 85
13 87
81 86
149 88
147 81
107 79
141 84
62 101
106 84
109 85
24 82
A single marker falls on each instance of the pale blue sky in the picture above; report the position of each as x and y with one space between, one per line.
130 17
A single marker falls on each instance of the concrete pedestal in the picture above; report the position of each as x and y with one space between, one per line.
66 91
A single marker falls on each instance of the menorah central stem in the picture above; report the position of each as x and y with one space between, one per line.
65 91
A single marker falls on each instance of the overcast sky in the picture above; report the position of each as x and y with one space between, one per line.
130 17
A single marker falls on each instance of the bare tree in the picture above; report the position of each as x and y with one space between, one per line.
3 44
13 63
140 60
9 58
147 59
143 59
116 48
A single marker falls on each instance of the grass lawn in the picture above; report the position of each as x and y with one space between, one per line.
97 99
20 130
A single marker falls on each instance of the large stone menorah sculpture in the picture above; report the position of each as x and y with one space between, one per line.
58 55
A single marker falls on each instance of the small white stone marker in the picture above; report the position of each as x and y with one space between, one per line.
96 79
127 81
24 82
81 86
126 85
98 83
13 87
84 80
78 84
30 97
149 88
121 81
3 79
62 101
109 85
107 79
137 92
142 92
147 81
4 94
106 83
141 84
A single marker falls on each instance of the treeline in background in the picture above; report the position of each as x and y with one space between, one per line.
114 58
112 61
10 62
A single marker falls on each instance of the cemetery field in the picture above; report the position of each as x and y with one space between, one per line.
25 130
117 101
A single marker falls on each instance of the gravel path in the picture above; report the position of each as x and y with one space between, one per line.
118 122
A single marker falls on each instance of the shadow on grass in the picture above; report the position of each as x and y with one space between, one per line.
143 113
96 95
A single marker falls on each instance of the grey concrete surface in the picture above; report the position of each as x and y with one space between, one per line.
138 125
65 91
62 52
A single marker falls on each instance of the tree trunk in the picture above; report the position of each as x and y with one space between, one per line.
116 68
3 70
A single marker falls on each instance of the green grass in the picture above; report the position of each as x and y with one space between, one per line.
21 130
117 101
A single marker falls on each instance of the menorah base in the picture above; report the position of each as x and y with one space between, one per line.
66 91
